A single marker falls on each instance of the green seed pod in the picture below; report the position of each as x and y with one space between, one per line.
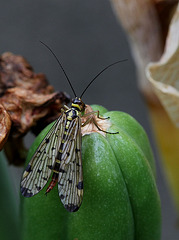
121 201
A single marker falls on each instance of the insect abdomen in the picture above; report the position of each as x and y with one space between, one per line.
52 183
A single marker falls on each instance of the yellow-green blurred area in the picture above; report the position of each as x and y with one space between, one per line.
86 37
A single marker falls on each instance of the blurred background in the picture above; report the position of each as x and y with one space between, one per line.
86 37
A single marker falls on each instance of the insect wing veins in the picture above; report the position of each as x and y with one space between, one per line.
71 163
39 168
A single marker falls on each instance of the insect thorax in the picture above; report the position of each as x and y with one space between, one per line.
72 114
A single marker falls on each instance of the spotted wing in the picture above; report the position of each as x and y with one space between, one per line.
70 182
39 168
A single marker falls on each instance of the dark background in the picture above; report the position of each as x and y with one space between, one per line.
86 37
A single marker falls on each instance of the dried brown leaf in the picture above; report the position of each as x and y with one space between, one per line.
5 126
26 108
29 102
15 71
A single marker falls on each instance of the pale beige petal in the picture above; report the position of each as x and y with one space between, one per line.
140 20
164 75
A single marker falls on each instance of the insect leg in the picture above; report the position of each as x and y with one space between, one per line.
95 112
91 119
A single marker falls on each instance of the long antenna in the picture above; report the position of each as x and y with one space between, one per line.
60 66
100 74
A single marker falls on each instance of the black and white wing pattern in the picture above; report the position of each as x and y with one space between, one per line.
70 181
38 170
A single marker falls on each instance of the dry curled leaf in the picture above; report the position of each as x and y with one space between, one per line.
26 108
15 71
5 126
164 74
29 101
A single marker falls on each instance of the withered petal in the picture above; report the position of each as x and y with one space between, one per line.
27 102
15 71
103 124
26 107
5 126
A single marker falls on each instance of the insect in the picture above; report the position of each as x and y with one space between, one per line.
60 153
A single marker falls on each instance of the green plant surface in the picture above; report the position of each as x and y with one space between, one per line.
121 201
9 219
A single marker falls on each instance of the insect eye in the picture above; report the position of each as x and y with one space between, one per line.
82 105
